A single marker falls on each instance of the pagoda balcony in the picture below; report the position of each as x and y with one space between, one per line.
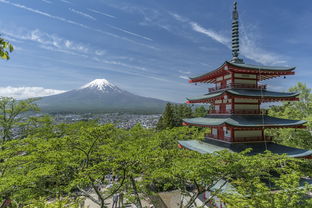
253 112
241 86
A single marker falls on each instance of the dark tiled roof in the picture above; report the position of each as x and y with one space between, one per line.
262 68
243 121
210 147
247 93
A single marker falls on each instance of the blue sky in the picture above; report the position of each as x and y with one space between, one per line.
147 47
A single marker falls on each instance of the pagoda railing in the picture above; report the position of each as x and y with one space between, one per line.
245 111
236 85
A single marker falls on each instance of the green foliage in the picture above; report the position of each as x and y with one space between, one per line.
173 115
10 114
300 110
55 161
5 49
200 111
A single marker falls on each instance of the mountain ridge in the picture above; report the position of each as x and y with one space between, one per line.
100 96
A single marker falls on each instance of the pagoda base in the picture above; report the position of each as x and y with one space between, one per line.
212 145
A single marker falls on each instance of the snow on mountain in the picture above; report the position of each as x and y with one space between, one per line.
102 85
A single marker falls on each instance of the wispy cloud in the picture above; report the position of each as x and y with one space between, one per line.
82 14
183 77
46 1
53 42
185 72
102 13
27 92
65 1
210 33
128 32
248 48
75 23
252 51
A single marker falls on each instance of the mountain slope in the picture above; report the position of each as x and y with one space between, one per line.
100 96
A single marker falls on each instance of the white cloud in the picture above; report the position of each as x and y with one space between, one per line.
62 19
46 1
82 14
48 40
185 72
250 50
184 77
102 13
65 1
130 33
27 92
100 52
212 34
248 47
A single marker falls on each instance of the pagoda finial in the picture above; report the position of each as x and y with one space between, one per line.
235 36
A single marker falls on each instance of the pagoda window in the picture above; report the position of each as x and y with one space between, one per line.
228 108
218 85
214 132
227 132
218 101
228 82
217 108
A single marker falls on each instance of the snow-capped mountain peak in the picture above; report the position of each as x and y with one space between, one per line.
100 84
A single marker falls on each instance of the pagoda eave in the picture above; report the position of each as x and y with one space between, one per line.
204 147
262 100
256 127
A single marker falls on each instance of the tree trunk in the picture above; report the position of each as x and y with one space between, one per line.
138 201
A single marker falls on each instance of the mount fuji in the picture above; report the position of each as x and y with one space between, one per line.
100 96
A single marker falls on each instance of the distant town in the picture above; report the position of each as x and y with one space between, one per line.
121 120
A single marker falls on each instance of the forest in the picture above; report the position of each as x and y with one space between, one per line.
66 162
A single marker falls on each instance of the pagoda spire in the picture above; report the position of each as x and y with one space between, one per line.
235 36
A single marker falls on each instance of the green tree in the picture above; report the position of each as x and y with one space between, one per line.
10 115
5 49
300 110
167 119
200 111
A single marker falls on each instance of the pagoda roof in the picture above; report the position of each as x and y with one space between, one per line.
243 121
257 148
249 93
262 68
265 72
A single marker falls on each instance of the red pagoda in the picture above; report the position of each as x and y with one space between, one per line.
236 120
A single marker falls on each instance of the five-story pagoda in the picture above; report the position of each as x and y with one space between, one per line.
236 121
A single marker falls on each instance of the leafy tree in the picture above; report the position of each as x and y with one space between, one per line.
76 162
5 49
301 110
200 112
168 118
10 115
173 115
